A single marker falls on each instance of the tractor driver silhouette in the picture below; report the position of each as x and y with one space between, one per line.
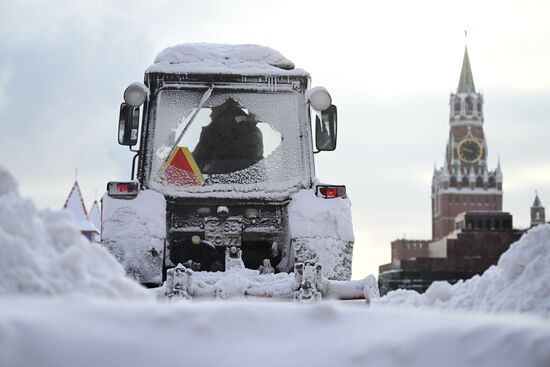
230 142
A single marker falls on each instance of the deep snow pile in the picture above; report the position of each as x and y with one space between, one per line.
57 333
520 282
42 252
212 58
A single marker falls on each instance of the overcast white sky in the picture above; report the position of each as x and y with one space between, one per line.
389 65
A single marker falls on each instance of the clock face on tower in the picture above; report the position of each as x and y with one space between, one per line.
469 151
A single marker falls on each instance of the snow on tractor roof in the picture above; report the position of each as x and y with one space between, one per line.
212 58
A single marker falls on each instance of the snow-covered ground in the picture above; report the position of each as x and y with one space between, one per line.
61 332
66 302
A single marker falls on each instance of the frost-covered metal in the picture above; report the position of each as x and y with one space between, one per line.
305 285
322 231
282 166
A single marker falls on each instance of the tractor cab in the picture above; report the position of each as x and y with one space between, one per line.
225 145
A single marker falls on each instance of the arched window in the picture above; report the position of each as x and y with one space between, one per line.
479 182
469 105
479 106
457 106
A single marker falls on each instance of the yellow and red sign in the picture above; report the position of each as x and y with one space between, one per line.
181 169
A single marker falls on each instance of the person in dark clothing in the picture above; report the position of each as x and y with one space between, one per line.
231 142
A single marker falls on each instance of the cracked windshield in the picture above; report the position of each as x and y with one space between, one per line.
233 138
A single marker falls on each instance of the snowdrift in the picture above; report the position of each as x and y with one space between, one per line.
520 282
43 253
124 333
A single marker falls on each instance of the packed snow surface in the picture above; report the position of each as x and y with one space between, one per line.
57 333
520 282
211 58
43 252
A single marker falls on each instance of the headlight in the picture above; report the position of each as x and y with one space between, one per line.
319 98
251 213
135 94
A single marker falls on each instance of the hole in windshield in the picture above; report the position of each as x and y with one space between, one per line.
231 141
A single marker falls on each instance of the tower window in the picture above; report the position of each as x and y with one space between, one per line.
453 181
457 106
479 106
469 105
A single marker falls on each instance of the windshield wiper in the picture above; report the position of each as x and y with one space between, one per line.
189 118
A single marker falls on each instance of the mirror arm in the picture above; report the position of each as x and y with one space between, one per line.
133 163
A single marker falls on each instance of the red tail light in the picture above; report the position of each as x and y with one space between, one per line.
332 191
122 187
122 190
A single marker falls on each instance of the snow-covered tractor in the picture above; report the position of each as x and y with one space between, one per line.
225 169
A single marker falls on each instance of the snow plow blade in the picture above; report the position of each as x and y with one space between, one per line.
305 285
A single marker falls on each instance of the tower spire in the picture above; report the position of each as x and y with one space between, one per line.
538 213
466 82
537 203
498 171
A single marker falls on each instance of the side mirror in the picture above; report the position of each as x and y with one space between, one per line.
326 129
128 125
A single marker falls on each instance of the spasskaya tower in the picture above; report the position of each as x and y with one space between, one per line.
464 183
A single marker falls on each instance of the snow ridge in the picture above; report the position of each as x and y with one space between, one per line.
520 282
43 253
